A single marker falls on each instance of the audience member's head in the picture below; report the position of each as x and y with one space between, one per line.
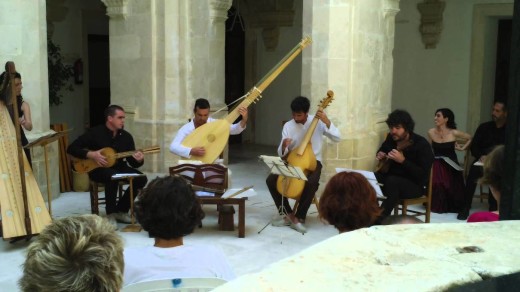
401 219
78 253
494 171
349 202
168 208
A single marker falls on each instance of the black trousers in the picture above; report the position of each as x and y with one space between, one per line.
476 172
395 188
104 176
310 189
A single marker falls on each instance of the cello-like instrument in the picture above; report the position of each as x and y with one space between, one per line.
214 136
302 157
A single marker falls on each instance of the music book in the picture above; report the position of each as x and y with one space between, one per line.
450 162
369 175
478 163
280 167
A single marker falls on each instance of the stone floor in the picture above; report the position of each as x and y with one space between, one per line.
246 255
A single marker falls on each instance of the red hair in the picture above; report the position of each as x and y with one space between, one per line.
349 202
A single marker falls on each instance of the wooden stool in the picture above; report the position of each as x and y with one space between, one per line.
95 200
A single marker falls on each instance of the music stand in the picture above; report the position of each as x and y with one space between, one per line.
279 167
132 227
44 141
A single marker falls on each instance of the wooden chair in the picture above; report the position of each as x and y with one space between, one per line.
425 200
212 176
95 200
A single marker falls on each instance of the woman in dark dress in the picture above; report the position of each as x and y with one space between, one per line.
24 110
448 182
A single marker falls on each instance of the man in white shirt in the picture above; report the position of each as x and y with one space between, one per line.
201 117
169 210
292 135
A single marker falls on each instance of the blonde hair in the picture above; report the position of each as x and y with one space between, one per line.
78 253
494 168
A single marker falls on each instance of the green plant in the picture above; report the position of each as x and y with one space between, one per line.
59 74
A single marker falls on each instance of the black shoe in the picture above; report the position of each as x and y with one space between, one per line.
463 215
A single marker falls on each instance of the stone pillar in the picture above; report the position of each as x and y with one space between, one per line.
24 30
163 56
351 54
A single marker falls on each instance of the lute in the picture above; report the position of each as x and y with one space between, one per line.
214 136
86 165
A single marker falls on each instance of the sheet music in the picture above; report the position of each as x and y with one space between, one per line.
280 167
478 163
120 175
369 175
244 194
450 162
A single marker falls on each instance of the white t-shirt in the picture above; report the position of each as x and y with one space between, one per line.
296 132
185 261
177 148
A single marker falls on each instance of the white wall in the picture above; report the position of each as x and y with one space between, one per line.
425 80
274 107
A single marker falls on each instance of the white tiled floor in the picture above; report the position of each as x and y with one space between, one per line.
246 255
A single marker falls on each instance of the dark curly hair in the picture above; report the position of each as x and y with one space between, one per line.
349 202
168 209
400 118
447 113
300 104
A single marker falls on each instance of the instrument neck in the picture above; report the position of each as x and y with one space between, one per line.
256 91
308 135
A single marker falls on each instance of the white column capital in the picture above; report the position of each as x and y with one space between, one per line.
218 10
116 8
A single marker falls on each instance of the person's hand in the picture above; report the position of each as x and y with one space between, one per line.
460 147
139 156
396 156
320 114
198 151
243 112
99 158
285 143
380 155
482 158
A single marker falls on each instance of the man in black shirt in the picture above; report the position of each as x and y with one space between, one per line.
487 136
111 134
406 160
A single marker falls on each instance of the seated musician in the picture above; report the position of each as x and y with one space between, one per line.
405 161
201 117
169 210
111 134
292 134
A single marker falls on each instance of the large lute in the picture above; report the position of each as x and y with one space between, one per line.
86 165
302 157
214 136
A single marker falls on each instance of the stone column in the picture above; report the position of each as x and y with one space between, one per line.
23 28
163 56
351 54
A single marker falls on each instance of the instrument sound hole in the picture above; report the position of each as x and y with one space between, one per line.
211 137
